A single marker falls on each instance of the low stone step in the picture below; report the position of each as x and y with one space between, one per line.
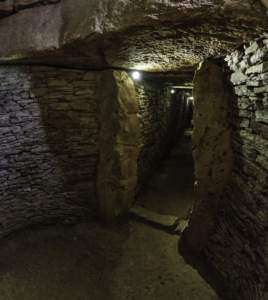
167 222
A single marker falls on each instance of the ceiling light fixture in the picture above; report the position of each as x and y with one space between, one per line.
136 75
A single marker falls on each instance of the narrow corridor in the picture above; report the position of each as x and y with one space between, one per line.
104 193
170 190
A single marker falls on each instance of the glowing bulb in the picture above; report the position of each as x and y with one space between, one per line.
136 75
172 91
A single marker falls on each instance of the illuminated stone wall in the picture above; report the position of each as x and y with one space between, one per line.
239 247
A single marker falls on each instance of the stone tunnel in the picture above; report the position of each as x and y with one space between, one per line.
133 153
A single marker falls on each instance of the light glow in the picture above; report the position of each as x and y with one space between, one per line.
136 75
172 91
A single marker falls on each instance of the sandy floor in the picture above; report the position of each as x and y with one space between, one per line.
170 190
84 262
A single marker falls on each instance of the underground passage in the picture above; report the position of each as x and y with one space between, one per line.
134 149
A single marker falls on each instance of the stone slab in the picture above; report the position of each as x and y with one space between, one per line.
166 221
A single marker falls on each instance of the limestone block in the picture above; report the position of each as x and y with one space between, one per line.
252 49
238 78
261 90
260 68
262 116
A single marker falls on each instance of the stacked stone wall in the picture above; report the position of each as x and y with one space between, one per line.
239 247
48 145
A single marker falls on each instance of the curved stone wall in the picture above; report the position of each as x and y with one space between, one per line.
48 145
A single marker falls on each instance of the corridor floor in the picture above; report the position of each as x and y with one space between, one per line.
130 260
170 190
90 262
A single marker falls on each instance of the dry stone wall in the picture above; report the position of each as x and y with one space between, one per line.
48 145
163 117
239 248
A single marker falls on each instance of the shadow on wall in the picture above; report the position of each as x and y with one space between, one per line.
67 101
49 145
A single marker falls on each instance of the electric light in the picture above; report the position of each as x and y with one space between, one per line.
136 75
172 91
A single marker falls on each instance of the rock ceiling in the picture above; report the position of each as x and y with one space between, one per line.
150 35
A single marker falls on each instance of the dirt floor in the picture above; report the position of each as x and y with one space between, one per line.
170 190
88 261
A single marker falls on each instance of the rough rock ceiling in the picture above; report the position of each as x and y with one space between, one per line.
151 35
173 46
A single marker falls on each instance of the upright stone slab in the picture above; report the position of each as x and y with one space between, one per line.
119 147
211 149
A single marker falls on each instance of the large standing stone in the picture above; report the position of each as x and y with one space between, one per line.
119 147
211 149
265 3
